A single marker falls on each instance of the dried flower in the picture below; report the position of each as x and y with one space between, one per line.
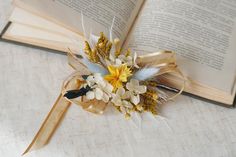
134 90
97 93
102 90
118 75
113 61
95 79
103 46
126 59
101 50
150 100
120 100
91 53
117 47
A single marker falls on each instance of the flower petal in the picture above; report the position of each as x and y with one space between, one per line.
127 104
141 89
118 62
105 98
116 100
134 82
129 86
127 95
135 99
98 93
90 95
122 109
109 87
120 91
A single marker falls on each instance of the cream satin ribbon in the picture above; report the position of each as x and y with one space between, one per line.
165 60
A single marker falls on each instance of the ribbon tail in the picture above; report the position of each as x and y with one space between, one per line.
50 124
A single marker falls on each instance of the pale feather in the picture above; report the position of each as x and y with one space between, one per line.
94 68
146 73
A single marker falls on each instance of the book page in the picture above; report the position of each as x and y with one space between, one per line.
23 17
42 38
98 14
202 33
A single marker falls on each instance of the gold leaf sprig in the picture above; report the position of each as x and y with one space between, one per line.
103 46
117 47
91 53
150 101
101 50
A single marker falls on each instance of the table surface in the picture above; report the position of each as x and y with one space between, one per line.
30 80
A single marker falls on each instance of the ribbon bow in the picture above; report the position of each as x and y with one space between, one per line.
164 60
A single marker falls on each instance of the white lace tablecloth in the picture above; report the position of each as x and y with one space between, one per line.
30 81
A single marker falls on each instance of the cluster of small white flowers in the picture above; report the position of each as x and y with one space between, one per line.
122 59
134 90
101 89
125 99
126 59
120 99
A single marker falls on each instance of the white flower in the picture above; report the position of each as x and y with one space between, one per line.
134 90
102 90
107 91
126 106
122 59
97 93
129 60
95 79
113 61
120 99
126 59
100 93
134 86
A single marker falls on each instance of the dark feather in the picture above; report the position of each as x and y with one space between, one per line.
72 94
85 77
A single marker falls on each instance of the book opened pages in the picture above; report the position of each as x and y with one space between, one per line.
101 14
203 34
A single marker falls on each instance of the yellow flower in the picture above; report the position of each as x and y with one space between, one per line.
118 75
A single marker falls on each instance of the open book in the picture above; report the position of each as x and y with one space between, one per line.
202 33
